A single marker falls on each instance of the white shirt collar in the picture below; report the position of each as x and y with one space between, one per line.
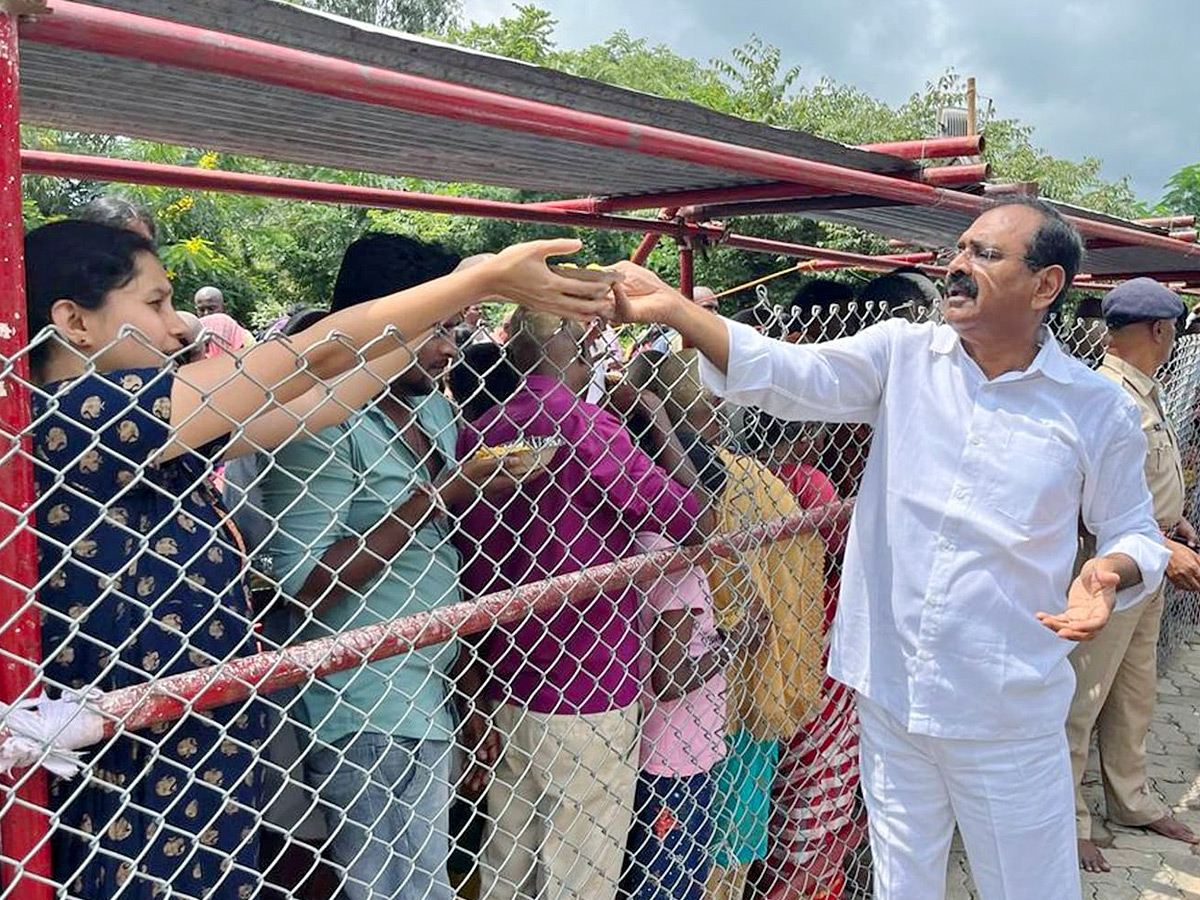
1050 361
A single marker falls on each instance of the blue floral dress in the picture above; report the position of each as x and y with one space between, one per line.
140 578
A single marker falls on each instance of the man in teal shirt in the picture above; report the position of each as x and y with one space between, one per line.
361 539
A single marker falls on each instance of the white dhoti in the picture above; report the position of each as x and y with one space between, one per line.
1012 801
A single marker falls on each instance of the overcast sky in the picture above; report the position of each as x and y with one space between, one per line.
1110 78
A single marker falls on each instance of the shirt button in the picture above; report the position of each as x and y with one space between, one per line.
975 440
924 655
960 493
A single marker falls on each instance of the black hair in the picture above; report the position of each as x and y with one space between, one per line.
1055 243
758 316
704 458
482 378
379 263
302 318
117 212
763 431
905 286
818 294
1090 307
74 260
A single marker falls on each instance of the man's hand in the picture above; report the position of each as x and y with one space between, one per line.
491 477
641 296
519 273
1090 601
1183 568
483 743
752 627
1187 532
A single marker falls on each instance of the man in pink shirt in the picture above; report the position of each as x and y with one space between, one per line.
564 684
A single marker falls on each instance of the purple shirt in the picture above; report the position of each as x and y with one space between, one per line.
600 491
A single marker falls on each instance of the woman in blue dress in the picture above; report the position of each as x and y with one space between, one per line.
141 571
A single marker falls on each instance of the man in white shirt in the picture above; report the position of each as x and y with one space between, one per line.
957 609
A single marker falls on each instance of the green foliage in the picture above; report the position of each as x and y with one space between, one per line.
413 16
1183 192
527 36
269 256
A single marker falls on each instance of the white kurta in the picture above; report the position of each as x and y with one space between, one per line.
966 522
964 528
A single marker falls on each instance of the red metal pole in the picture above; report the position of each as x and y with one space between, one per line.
806 251
67 165
166 699
687 269
650 240
930 148
956 176
942 176
645 247
24 825
1168 221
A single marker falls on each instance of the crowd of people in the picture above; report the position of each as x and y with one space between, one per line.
735 725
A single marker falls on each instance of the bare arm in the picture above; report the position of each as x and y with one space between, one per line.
350 563
674 673
644 297
322 406
212 397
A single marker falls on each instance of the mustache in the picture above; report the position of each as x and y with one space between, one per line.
962 283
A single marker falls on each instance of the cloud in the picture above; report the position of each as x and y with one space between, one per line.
1107 78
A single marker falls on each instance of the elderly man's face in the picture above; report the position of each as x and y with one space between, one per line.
990 288
706 298
209 304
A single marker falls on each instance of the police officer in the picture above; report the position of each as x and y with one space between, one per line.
1116 674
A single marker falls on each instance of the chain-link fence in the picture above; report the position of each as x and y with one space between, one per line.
441 627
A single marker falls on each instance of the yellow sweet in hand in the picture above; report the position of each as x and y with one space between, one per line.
502 450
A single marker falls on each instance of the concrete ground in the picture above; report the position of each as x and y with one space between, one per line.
1145 865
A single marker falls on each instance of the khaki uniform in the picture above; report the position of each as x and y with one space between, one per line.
1116 674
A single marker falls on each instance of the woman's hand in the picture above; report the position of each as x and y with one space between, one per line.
520 274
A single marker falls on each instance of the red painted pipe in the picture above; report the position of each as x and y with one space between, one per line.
1188 237
806 251
23 825
645 247
174 45
67 165
956 176
930 148
166 699
1167 221
650 239
687 269
942 176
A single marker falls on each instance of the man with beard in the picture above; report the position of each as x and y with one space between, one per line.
362 539
958 609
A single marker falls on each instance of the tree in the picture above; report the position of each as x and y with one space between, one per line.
1183 192
527 36
413 16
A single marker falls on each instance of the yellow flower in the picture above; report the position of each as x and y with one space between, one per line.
208 161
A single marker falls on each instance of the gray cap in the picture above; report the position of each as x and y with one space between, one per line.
1140 300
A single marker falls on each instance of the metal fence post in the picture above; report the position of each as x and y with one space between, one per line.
23 823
